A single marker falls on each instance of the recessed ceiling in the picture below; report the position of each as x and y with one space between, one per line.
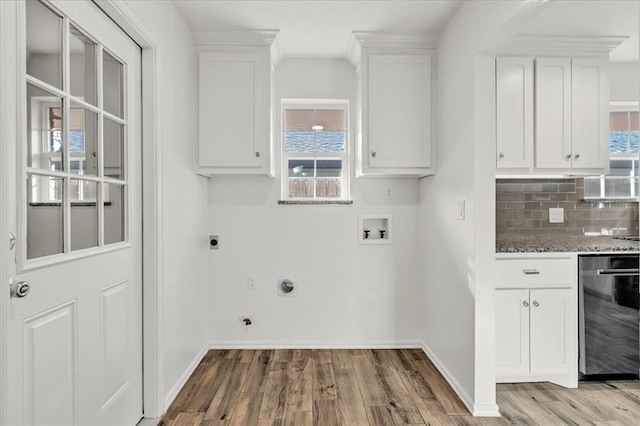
319 28
592 18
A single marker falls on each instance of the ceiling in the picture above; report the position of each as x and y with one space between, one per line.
310 28
597 18
319 28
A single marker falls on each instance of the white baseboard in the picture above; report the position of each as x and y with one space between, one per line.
183 379
457 388
486 410
267 344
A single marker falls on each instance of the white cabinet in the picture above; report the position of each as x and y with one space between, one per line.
235 111
395 107
536 320
572 99
514 115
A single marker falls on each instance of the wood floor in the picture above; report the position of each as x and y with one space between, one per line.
373 387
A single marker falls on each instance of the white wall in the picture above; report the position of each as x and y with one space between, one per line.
457 256
184 206
624 85
348 294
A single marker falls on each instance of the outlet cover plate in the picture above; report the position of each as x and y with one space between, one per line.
556 215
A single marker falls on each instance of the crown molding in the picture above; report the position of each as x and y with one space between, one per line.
561 45
250 38
369 39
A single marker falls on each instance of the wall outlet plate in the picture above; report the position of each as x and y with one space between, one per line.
556 215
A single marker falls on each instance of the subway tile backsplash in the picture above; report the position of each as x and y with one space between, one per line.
522 210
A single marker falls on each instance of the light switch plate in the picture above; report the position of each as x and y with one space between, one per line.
460 210
556 215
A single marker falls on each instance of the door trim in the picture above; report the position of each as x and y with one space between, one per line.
8 74
152 229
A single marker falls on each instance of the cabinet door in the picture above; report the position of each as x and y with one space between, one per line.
512 332
553 330
398 111
234 109
589 113
553 113
514 112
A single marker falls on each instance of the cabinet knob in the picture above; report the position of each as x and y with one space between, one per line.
373 154
525 304
575 157
535 303
501 156
257 153
567 157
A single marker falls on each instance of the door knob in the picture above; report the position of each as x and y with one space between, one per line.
373 154
567 157
575 157
501 156
19 289
525 304
535 303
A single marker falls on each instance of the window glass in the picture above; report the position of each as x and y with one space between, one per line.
44 129
44 44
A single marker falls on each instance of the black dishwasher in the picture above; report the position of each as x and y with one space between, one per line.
609 316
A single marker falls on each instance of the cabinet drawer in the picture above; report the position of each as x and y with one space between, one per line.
535 273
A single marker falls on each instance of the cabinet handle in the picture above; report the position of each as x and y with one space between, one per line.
257 153
567 157
373 154
501 156
531 272
535 303
575 157
525 303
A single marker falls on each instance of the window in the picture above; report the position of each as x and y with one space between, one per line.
315 162
622 181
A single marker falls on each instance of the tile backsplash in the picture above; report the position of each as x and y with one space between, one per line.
522 209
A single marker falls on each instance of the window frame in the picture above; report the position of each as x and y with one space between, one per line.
344 157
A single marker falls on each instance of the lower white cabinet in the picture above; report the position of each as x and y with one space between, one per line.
536 331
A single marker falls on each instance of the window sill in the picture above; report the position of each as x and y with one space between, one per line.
313 202
73 204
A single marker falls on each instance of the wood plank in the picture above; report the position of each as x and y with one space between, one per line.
246 355
225 398
300 381
299 418
275 395
202 396
567 414
283 355
379 416
271 422
247 410
350 404
372 392
341 359
324 383
432 413
416 386
322 356
188 419
325 413
441 389
189 391
258 372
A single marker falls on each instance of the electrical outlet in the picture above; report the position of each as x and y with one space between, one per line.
388 191
251 283
556 215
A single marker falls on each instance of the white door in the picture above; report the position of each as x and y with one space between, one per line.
512 332
590 113
75 340
514 112
553 113
552 326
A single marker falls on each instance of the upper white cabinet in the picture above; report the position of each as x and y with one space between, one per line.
552 105
395 105
514 115
235 103
572 121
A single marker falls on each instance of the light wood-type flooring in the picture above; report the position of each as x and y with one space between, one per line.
373 387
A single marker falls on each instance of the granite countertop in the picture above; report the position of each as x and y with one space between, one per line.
566 244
